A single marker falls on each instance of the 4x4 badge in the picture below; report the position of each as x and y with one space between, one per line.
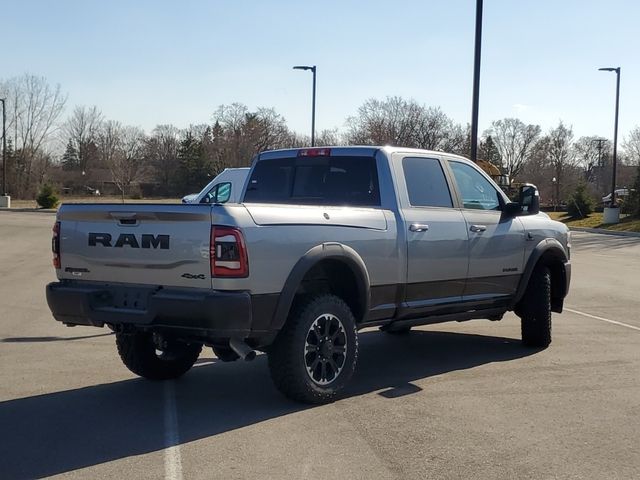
190 276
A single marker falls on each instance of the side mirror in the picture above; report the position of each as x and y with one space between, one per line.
529 199
512 209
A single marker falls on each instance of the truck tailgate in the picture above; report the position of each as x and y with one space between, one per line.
164 245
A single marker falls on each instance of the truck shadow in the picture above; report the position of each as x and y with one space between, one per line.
64 431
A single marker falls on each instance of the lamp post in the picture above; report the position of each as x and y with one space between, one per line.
615 135
4 149
313 100
476 83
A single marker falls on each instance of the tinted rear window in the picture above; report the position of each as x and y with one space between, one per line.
426 184
315 181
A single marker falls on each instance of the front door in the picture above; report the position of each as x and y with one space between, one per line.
496 242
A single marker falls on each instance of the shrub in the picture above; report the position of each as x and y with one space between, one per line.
633 201
46 197
580 204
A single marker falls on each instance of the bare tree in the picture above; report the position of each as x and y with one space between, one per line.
121 149
589 156
435 131
325 138
396 121
514 141
271 131
457 140
393 121
108 141
161 153
33 109
631 145
561 156
240 133
80 131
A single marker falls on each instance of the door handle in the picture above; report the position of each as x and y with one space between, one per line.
418 227
478 228
125 218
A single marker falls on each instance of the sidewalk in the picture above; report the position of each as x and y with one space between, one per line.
605 232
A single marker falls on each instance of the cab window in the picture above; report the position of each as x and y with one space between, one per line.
426 183
219 193
210 195
476 191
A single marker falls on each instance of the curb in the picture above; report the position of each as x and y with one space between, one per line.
30 210
603 231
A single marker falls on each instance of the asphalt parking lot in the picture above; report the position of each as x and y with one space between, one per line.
449 401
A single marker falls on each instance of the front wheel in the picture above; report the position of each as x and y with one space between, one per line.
535 309
315 354
140 354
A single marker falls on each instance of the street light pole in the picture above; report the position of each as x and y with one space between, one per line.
4 149
615 132
313 100
476 83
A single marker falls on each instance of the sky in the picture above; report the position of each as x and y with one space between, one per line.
149 62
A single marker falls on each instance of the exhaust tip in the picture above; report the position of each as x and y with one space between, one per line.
244 351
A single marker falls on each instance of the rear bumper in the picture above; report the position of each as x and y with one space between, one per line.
213 313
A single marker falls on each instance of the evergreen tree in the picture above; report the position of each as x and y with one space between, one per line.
633 201
70 160
580 204
194 167
489 152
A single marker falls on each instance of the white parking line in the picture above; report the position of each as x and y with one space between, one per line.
602 319
172 458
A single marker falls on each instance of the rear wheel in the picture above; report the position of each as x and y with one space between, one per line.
315 354
535 309
141 355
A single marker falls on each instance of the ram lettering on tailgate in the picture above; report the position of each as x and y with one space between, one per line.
147 240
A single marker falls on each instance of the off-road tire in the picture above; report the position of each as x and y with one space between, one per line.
535 309
139 354
287 357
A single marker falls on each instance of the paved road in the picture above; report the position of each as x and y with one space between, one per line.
451 401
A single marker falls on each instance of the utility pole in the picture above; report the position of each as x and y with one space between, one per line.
600 142
476 83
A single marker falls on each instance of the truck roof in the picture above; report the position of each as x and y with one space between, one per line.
354 151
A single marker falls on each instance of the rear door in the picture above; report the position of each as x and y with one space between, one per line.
496 241
164 245
437 250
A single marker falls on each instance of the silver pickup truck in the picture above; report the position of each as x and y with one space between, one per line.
324 242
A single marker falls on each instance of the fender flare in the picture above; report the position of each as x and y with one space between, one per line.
324 251
548 245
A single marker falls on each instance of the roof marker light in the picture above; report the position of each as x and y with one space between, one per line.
314 152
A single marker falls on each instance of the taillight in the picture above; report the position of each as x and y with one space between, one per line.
55 245
228 253
314 152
